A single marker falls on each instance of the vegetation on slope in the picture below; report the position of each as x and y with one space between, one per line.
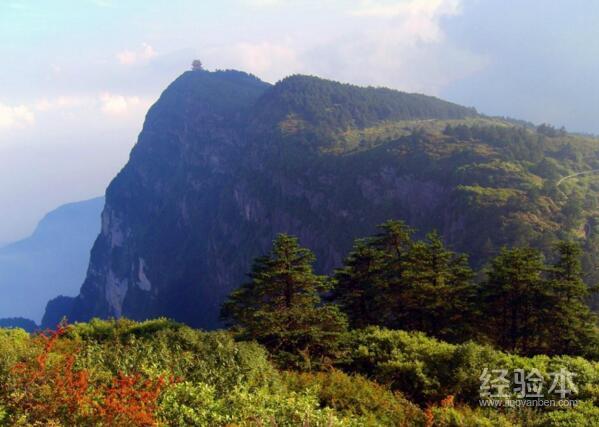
162 373
292 358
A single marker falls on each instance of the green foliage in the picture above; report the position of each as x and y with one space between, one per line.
356 397
280 308
210 379
199 405
570 314
427 370
443 416
436 291
371 273
392 281
533 308
161 347
516 300
311 110
14 346
583 415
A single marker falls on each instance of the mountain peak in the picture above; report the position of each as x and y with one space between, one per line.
316 110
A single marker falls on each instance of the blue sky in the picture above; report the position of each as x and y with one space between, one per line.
77 76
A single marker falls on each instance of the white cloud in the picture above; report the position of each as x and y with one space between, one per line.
106 102
130 57
406 7
399 44
63 103
416 20
103 3
15 117
72 107
267 59
116 105
262 3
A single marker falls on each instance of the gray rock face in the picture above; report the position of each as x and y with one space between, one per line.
213 178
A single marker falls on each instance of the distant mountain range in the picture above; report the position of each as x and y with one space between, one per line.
225 162
52 261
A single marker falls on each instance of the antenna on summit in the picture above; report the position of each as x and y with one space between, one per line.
196 65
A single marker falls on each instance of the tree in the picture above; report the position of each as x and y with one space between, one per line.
516 300
371 276
280 307
438 292
360 285
390 280
573 323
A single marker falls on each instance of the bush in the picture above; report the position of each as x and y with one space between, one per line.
14 345
170 349
427 370
200 405
585 414
159 372
356 397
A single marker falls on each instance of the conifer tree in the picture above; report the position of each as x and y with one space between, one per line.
572 326
394 242
391 281
371 277
516 300
280 307
360 285
439 295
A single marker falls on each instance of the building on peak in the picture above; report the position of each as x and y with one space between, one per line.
196 65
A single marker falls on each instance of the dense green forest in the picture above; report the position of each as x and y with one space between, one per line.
402 334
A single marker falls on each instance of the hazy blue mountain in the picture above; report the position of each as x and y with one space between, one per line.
19 322
52 261
56 309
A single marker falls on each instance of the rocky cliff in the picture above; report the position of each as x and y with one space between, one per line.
226 161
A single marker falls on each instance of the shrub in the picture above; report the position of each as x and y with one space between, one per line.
200 405
14 345
356 397
585 414
426 370
49 389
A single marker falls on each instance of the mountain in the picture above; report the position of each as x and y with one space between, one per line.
18 322
51 261
225 162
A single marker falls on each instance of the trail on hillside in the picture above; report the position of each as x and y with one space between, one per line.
574 175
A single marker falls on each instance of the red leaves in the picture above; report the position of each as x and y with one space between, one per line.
429 416
50 388
131 400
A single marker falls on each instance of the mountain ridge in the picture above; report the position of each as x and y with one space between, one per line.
225 161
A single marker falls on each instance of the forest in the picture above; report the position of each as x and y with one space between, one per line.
405 333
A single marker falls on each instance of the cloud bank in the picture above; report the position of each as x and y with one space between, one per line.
15 117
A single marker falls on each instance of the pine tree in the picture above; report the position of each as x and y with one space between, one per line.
573 326
389 280
439 295
394 242
371 276
360 286
280 307
516 300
